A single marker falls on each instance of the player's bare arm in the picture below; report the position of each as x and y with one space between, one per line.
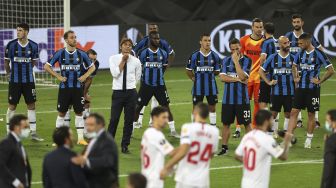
87 74
171 58
330 71
295 73
180 153
287 140
123 62
59 77
264 77
262 58
191 75
87 85
226 78
7 67
239 158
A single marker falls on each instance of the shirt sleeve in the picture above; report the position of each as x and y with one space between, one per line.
138 70
167 47
323 59
273 148
164 146
138 46
114 67
264 48
165 58
267 65
217 62
297 59
315 43
242 43
185 135
54 58
35 52
8 51
224 68
191 63
87 63
247 66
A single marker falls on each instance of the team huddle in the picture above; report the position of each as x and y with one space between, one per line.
278 73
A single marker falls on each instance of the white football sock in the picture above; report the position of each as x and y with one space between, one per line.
212 117
275 125
141 115
67 119
238 129
286 121
192 118
300 116
59 122
79 122
10 113
172 126
310 136
316 115
32 120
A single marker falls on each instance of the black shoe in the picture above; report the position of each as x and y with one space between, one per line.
299 124
223 152
125 150
236 134
317 124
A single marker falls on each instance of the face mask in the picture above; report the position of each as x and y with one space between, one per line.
328 127
91 135
25 133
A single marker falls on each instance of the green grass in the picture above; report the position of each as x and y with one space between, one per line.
287 175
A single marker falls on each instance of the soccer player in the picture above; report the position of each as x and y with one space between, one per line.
293 36
251 47
154 148
164 45
70 91
203 65
198 145
86 86
256 149
236 103
279 66
154 62
22 54
309 61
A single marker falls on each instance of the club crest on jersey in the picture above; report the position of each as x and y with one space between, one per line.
29 52
77 59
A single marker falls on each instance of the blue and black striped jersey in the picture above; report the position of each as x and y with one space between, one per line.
153 66
144 43
309 63
280 69
294 46
235 92
204 67
70 65
21 58
268 47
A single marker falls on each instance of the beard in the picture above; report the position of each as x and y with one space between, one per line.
286 49
297 28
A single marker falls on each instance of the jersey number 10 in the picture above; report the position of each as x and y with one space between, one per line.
195 150
249 158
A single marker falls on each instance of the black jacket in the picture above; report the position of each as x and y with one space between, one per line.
103 159
60 172
12 163
329 166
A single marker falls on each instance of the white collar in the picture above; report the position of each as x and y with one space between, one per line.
310 51
153 51
283 57
66 49
205 55
21 44
297 36
16 136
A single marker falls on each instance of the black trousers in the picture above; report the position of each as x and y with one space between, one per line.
123 100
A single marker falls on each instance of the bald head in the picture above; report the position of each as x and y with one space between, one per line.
284 44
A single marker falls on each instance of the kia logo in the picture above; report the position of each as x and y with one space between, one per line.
221 35
325 34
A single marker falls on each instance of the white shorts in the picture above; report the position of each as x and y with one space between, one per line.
154 183
181 185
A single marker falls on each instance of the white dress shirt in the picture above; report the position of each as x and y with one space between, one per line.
133 72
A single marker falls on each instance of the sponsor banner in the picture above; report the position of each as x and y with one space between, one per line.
103 39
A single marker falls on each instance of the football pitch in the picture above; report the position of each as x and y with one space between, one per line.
302 170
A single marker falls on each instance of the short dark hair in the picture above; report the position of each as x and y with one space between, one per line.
234 41
152 23
203 109
158 110
99 118
332 114
137 180
91 51
16 121
66 34
269 28
305 36
262 116
204 35
24 26
124 40
60 134
153 33
256 20
296 15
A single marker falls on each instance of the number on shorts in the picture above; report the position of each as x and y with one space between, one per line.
249 158
315 101
195 150
247 113
83 100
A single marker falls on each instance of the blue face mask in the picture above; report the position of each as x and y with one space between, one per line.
328 127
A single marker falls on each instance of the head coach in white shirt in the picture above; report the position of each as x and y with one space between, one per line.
124 90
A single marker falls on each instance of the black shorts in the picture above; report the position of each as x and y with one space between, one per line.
68 97
212 99
279 101
264 93
146 92
240 111
307 98
15 90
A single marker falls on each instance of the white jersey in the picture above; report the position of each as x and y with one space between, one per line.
257 149
154 148
193 169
